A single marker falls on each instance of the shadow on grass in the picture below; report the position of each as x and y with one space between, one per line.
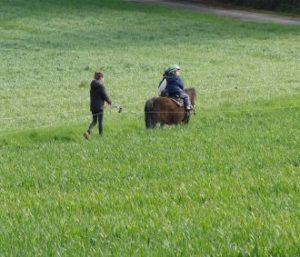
37 136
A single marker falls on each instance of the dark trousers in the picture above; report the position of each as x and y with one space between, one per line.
96 117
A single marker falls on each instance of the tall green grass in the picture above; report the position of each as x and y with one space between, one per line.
225 185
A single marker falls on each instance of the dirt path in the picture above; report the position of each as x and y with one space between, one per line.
230 13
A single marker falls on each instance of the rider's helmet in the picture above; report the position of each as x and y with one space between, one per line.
172 68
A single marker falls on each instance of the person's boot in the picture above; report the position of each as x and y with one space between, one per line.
87 135
188 108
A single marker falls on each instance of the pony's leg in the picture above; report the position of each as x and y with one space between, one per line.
153 123
149 120
186 118
186 121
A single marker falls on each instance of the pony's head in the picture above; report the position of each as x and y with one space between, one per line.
192 94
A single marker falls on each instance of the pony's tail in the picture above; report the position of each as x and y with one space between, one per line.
148 113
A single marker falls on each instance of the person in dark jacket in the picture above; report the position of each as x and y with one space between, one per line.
98 97
175 86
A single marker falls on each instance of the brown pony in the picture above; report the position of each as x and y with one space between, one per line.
164 110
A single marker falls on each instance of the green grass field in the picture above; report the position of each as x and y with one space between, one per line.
228 184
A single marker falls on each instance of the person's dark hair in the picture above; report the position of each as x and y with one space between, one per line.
166 73
98 74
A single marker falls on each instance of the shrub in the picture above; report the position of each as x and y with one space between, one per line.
265 4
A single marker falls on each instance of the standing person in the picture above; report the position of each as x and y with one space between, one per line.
98 96
175 86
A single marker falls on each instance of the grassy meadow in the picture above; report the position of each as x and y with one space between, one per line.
228 184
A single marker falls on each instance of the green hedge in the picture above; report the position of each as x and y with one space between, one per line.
292 5
266 4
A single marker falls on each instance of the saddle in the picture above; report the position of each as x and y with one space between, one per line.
177 100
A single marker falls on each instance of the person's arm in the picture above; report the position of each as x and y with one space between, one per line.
180 83
104 95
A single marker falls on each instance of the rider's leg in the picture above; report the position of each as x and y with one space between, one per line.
186 100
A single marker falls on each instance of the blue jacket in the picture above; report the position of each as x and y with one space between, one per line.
174 85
